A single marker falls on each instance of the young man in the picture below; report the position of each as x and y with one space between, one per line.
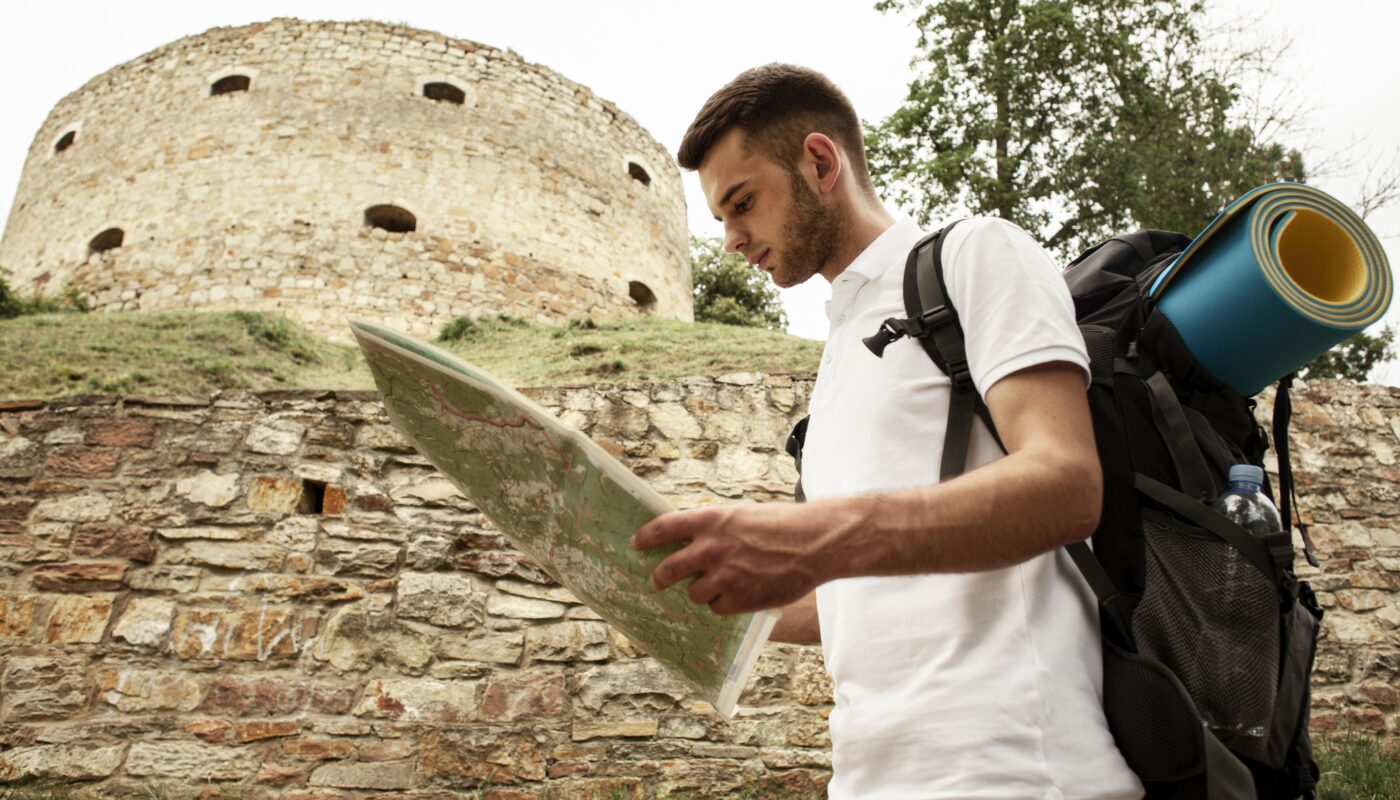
961 640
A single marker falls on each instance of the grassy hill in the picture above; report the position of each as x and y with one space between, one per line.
51 355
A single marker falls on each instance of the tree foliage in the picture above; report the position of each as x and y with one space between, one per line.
731 291
1076 119
1354 358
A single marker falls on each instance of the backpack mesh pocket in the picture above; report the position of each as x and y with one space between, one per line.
1212 618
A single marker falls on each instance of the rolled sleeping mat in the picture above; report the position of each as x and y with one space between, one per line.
1280 276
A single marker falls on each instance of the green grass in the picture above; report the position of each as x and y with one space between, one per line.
630 349
51 355
1356 767
188 353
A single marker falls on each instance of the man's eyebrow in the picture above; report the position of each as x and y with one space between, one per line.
724 201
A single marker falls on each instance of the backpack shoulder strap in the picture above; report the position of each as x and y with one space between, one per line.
933 322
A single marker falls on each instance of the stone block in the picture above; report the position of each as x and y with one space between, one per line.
351 557
811 685
628 686
492 757
120 433
240 696
145 622
492 647
19 457
523 697
281 495
394 775
64 762
207 488
16 617
512 606
557 594
385 750
207 532
135 691
791 757
190 761
79 619
571 640
93 576
381 437
75 508
245 732
442 598
38 687
256 556
356 640
279 437
82 462
302 588
674 421
164 578
607 729
422 700
250 635
317 749
214 731
113 540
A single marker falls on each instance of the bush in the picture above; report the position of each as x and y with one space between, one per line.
12 305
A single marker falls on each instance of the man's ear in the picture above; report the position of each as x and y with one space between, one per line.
823 160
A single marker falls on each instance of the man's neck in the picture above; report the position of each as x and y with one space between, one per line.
868 221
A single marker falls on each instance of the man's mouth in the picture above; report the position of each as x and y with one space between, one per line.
763 260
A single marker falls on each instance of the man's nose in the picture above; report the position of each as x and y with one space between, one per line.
734 240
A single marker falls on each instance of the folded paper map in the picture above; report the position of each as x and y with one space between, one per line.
561 500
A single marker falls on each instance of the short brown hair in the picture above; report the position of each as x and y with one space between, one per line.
776 106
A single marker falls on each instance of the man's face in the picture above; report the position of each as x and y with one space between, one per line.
770 213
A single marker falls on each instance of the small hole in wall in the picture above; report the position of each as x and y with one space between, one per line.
391 218
65 142
444 92
638 173
109 239
229 85
642 295
313 497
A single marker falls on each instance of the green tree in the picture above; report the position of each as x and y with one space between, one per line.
1075 119
1354 358
731 291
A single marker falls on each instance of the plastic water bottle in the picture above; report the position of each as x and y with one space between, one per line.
1246 505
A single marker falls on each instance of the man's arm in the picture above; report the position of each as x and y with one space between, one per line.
799 622
1046 492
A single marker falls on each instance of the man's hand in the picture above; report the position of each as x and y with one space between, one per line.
743 557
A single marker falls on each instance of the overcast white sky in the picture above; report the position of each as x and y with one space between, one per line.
660 60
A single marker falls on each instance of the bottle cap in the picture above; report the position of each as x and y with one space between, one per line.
1247 472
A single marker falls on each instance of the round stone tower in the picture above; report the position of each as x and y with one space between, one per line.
320 169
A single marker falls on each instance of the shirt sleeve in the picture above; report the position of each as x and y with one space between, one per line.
1015 309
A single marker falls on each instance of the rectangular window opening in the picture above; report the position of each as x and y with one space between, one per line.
313 497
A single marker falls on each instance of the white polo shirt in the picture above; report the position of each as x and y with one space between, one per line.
983 685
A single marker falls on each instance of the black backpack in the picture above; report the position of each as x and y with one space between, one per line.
1170 612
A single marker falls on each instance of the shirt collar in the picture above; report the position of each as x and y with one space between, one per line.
889 248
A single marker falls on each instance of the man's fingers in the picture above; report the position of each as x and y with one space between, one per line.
668 528
679 565
703 590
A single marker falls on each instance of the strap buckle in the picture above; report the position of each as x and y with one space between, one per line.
935 318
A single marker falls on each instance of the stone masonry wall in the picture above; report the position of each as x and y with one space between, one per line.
271 596
256 199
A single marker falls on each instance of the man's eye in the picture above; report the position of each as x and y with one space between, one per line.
745 204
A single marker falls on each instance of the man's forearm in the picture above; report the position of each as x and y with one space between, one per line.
798 622
1006 512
